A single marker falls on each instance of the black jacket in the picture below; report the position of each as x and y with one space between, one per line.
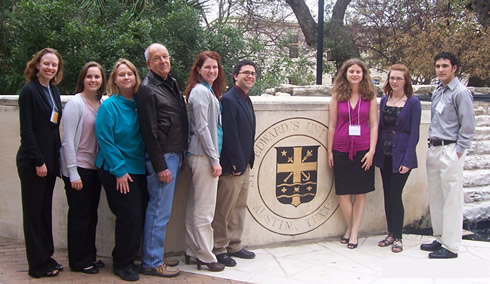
39 137
163 118
238 132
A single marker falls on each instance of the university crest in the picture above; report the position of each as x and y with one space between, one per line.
296 174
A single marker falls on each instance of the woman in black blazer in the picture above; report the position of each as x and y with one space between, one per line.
38 155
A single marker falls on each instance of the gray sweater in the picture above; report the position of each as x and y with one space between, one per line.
203 112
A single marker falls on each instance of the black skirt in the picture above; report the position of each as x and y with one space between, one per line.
350 177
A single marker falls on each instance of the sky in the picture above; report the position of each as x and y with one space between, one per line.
213 10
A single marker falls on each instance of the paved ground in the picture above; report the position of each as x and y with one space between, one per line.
13 269
315 262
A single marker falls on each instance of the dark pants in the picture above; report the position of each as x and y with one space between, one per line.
37 197
129 216
393 184
82 219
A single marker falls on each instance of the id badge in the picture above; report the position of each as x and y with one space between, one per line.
440 106
354 130
54 117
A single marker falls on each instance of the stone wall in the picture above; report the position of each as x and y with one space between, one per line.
294 125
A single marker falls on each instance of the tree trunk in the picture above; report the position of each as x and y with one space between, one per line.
308 24
305 20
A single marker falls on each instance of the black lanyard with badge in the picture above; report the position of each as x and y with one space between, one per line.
355 130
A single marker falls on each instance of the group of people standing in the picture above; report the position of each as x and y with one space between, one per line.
134 144
357 140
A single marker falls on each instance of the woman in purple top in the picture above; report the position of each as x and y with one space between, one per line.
352 136
395 152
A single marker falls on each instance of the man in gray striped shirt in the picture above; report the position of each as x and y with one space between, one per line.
450 133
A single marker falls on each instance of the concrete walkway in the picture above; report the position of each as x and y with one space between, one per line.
314 262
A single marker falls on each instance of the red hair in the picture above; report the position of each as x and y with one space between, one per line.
194 77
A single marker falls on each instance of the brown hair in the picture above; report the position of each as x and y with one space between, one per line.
195 77
83 73
30 72
406 76
341 87
111 83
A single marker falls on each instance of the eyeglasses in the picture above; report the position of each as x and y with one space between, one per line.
248 73
160 58
393 79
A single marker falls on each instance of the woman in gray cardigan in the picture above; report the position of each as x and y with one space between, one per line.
203 91
78 153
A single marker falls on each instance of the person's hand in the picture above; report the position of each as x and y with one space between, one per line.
367 160
42 170
165 176
122 183
236 174
403 170
216 171
77 185
330 159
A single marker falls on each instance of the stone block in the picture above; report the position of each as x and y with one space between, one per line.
423 89
480 177
285 88
474 162
476 194
281 94
482 133
481 147
478 211
482 120
314 90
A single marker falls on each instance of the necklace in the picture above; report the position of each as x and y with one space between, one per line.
395 102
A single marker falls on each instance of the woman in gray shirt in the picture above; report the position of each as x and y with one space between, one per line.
203 92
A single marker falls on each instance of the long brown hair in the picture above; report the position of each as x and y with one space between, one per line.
83 73
30 72
111 83
341 86
195 78
406 76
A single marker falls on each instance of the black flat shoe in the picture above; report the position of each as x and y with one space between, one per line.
99 264
55 265
49 273
442 254
243 253
92 269
225 259
434 246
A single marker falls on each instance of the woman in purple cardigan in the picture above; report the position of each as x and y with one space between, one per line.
399 124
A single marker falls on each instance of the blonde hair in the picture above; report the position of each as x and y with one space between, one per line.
30 72
341 86
112 88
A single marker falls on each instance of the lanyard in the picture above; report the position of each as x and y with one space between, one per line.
358 111
55 108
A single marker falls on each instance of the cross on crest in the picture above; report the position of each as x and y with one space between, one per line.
296 174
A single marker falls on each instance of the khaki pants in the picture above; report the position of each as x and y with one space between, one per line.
231 207
446 197
199 210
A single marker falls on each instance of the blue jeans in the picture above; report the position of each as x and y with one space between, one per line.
158 211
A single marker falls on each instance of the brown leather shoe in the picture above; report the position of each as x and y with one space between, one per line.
212 266
170 261
161 271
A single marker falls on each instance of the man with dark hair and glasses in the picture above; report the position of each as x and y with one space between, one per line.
237 158
451 131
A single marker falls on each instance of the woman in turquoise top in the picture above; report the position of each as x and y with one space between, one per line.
121 164
204 87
